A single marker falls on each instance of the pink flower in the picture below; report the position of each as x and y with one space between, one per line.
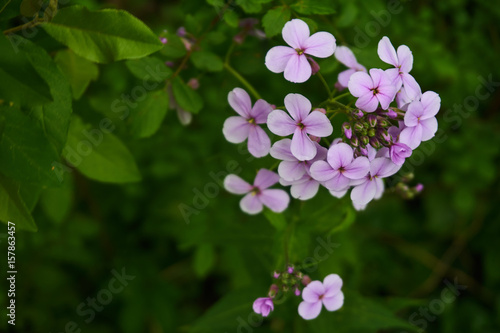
420 121
292 60
317 294
301 123
258 194
403 63
263 305
238 128
346 57
372 89
340 168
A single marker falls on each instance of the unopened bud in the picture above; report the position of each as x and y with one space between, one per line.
372 120
239 38
163 40
169 64
366 125
322 110
354 141
273 290
285 288
306 280
193 83
384 136
371 132
290 269
314 138
297 292
276 274
181 32
419 188
392 114
363 151
365 140
347 130
358 127
375 143
314 65
383 123
358 113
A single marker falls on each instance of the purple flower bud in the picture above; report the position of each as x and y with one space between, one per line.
169 63
263 306
358 113
306 280
398 152
239 38
322 110
276 274
363 151
372 119
347 130
193 83
382 122
358 127
384 136
163 40
181 32
314 65
365 140
290 269
273 290
297 292
375 143
419 188
354 141
392 114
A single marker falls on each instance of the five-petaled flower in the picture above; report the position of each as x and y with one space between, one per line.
301 123
238 128
258 194
317 294
372 89
292 59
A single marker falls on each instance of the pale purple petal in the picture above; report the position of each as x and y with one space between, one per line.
265 178
261 111
275 200
383 167
338 194
240 102
367 102
258 141
281 150
412 89
380 188
332 284
310 311
302 146
358 206
251 204
277 58
280 123
334 303
360 84
399 152
411 136
338 183
267 307
386 52
236 185
358 168
321 171
295 33
305 190
313 291
394 77
236 129
340 155
317 124
379 77
343 78
298 69
321 154
291 170
414 113
429 128
321 45
258 304
346 56
386 94
405 58
298 106
431 103
364 193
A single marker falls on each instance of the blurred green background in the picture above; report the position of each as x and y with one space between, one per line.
394 258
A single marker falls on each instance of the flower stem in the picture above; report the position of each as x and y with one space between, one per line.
240 78
322 79
340 96
29 24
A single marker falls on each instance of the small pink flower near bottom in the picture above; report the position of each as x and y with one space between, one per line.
317 294
263 306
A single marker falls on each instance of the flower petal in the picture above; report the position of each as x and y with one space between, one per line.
367 102
277 58
345 56
338 194
260 111
405 58
310 311
251 204
364 193
415 111
236 185
343 78
295 33
265 178
275 200
321 171
317 124
236 129
360 84
334 303
240 102
291 170
258 304
385 96
321 45
338 183
332 284
386 52
281 150
258 141
358 168
412 89
313 291
298 69
305 190
429 128
280 123
383 167
411 136
431 103
302 146
298 106
340 155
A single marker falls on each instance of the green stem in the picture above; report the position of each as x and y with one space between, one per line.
229 52
1 10
340 96
29 24
322 79
240 78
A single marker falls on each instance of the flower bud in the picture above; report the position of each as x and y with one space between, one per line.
314 138
363 151
314 65
306 280
239 38
371 132
290 269
181 32
354 141
169 64
322 110
392 114
273 290
276 274
366 125
365 140
375 143
358 127
347 130
297 291
193 83
384 136
383 123
372 120
163 40
285 288
419 188
358 113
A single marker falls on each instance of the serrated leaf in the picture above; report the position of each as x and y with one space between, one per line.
204 259
104 35
99 155
26 154
208 61
185 97
275 19
309 7
148 116
12 206
149 69
78 70
19 82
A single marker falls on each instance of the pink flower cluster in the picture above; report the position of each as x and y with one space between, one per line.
390 119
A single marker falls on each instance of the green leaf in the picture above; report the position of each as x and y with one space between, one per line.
98 154
208 61
204 259
275 19
277 220
187 98
53 117
309 7
148 116
26 154
19 82
348 218
104 35
56 203
231 18
78 70
149 69
250 6
174 48
12 206
30 7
